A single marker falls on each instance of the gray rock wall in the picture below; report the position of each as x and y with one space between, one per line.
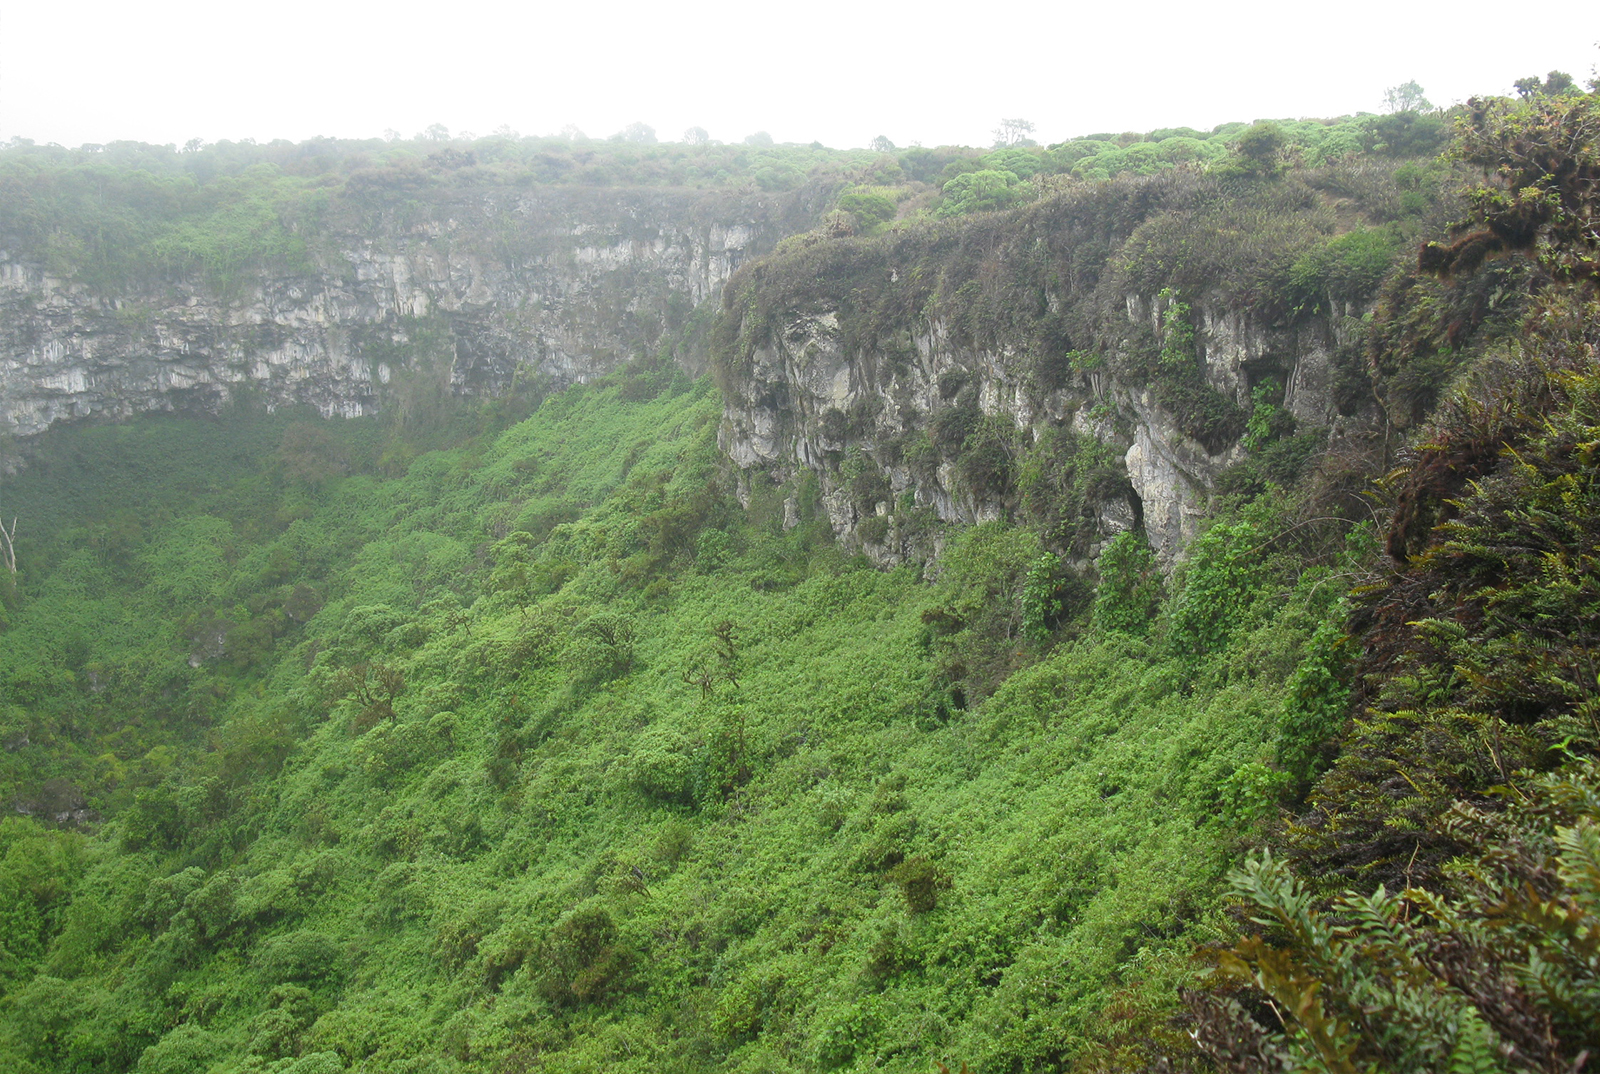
561 283
777 416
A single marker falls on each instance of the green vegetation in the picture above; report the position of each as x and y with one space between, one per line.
125 211
1500 965
544 745
1462 805
506 741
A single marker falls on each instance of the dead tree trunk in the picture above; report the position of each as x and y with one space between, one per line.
10 549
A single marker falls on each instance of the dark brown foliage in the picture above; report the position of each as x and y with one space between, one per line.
1545 200
374 686
1494 968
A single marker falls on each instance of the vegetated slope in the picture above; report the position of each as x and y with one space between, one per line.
580 762
1463 810
544 751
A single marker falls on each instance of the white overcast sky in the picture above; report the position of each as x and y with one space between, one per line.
835 71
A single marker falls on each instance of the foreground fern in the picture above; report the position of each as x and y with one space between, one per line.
1501 972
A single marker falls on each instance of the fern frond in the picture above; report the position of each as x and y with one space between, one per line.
1477 1049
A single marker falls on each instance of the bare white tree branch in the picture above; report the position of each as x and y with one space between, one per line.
10 549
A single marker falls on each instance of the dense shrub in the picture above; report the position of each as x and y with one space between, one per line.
1216 592
1129 589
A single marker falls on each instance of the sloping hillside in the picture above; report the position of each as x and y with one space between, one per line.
544 733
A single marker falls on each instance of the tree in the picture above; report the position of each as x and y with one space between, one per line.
514 573
1261 148
780 176
696 136
717 663
375 686
759 138
868 206
436 132
1019 162
1406 97
637 133
880 144
603 646
1554 84
980 191
1012 132
572 134
1405 134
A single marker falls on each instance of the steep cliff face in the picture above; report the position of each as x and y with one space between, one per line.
1093 361
784 413
944 361
557 283
1172 474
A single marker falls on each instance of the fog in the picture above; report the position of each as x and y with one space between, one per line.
835 72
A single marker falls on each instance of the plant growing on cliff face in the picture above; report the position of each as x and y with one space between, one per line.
1041 597
953 427
1177 332
1268 421
1065 483
1085 361
865 482
987 462
1130 586
9 554
1165 358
